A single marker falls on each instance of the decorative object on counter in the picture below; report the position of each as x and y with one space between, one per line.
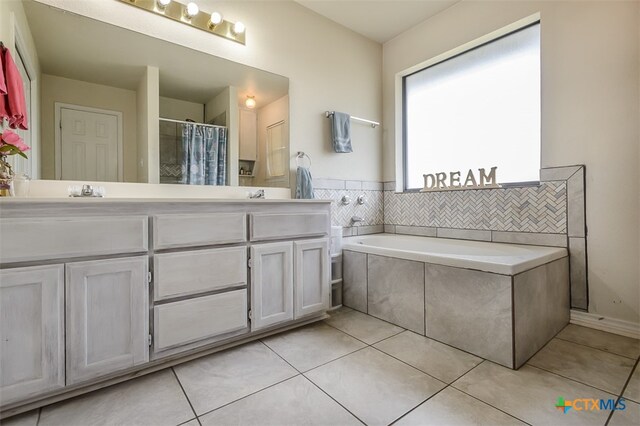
10 144
438 181
86 191
21 185
190 14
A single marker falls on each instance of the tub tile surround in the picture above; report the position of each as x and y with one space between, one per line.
404 378
502 318
552 214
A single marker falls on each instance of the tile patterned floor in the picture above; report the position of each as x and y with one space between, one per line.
355 369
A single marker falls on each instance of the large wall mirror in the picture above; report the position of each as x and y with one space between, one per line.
115 105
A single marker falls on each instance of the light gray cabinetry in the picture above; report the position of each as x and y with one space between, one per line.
312 284
31 331
272 284
290 280
199 271
200 319
107 317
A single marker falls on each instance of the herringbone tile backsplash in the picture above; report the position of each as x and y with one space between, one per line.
529 209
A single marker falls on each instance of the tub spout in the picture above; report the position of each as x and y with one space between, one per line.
356 219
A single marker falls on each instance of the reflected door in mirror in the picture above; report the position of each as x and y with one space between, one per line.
89 146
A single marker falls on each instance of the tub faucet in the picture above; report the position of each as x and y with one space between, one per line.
356 219
258 194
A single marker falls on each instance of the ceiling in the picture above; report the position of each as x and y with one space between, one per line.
378 20
80 48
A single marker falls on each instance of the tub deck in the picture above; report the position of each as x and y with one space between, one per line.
497 258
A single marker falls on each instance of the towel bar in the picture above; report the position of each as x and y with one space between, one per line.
374 124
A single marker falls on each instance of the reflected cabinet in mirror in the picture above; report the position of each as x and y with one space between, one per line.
115 105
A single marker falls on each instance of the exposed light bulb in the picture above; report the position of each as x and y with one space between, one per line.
192 10
163 3
238 27
216 18
250 102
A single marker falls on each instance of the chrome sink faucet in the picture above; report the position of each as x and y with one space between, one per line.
258 194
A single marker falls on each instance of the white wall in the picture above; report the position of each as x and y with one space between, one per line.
268 115
178 109
286 38
148 112
590 109
227 102
59 89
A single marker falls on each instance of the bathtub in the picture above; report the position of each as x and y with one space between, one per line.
501 302
498 258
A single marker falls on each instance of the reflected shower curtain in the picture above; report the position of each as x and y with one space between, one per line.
204 155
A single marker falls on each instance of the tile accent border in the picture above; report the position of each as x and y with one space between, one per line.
552 214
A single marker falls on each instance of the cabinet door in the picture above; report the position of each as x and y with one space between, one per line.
107 317
248 135
271 284
312 285
31 331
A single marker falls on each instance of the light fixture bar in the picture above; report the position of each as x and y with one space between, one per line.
177 12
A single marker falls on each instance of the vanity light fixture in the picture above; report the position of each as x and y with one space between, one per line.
190 14
238 28
191 10
250 102
215 19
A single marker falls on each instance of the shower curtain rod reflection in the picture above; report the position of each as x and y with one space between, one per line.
190 122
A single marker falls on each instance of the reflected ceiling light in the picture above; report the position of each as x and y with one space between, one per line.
238 27
250 102
191 10
188 13
216 18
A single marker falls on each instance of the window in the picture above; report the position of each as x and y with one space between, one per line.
478 109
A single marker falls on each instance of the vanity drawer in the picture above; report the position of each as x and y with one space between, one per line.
185 230
62 237
191 272
202 318
276 226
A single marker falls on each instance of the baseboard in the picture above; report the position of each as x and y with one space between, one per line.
611 325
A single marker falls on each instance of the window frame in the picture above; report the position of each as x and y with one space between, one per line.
401 100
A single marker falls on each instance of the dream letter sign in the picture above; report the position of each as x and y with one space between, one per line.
454 181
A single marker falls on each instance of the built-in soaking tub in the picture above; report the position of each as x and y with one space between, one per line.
502 302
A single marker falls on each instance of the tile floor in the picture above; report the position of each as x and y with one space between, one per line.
354 369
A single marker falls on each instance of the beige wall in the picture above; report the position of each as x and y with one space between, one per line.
181 110
58 89
590 109
273 113
14 25
285 38
148 110
227 102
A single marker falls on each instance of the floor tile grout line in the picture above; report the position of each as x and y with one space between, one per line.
624 388
39 414
185 394
248 395
190 420
360 340
332 398
417 406
478 399
597 349
573 380
407 364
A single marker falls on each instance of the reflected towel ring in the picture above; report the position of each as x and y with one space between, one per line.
300 159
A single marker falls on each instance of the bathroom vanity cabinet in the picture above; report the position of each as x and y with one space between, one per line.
94 292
